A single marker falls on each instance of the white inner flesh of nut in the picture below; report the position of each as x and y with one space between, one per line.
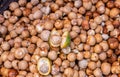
56 40
43 66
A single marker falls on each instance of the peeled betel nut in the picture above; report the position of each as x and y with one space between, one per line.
66 50
105 68
4 71
60 38
65 39
119 59
113 43
114 12
55 69
39 28
20 53
115 69
44 66
54 39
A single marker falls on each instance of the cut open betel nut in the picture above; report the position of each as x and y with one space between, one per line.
44 66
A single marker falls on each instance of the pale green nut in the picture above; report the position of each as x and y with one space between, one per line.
65 40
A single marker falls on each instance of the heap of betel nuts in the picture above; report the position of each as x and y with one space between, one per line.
60 38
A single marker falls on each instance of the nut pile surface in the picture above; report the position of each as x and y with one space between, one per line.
60 38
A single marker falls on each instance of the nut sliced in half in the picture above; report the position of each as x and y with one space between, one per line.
65 39
54 39
44 66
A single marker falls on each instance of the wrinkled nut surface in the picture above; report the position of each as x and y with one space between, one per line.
60 38
44 66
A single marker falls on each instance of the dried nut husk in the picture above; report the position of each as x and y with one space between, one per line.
55 38
44 66
65 40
